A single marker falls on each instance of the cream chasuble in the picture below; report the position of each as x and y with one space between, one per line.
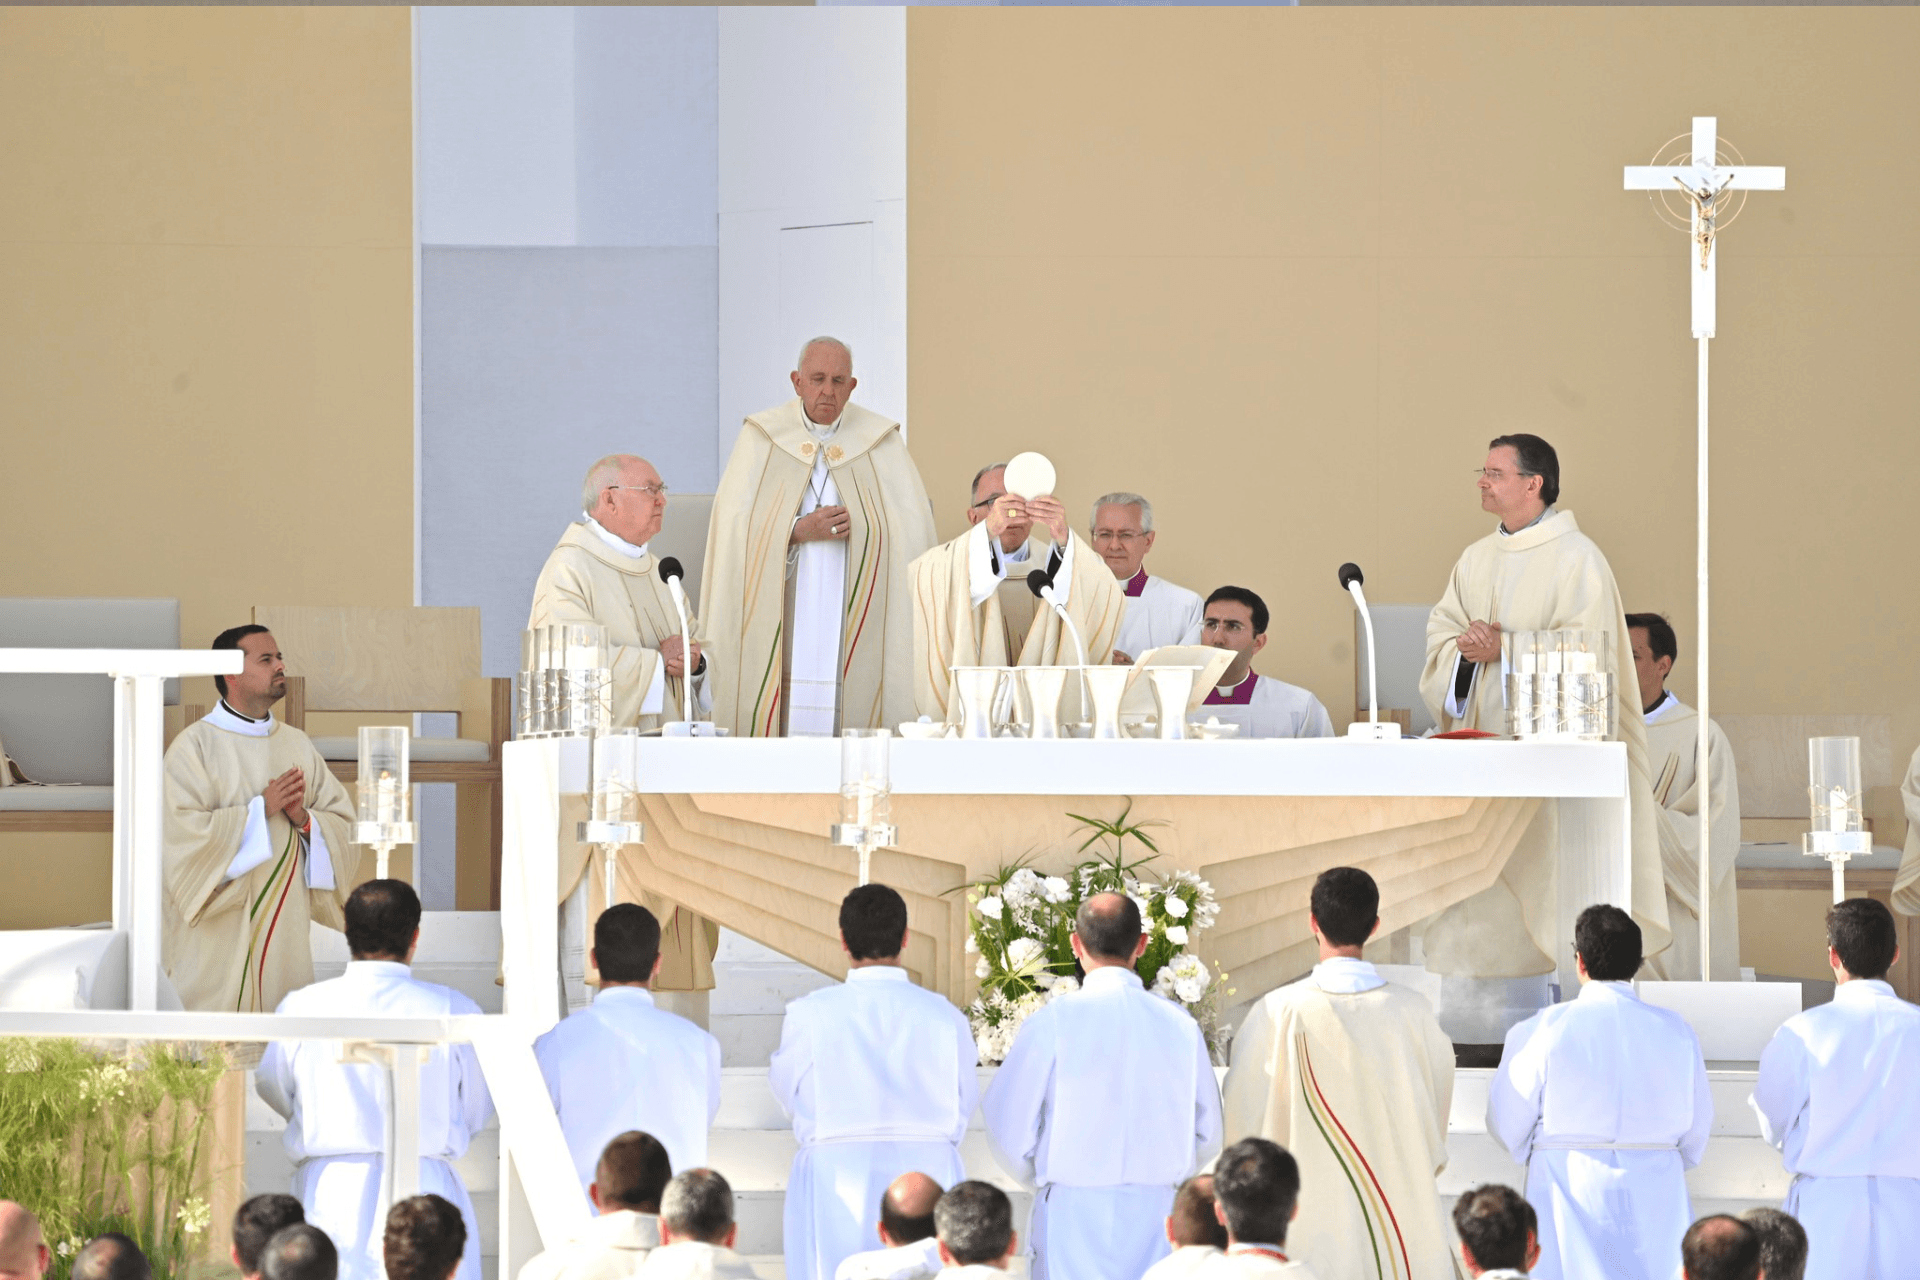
846 602
1355 1078
952 629
1547 577
238 943
1673 738
588 580
1906 885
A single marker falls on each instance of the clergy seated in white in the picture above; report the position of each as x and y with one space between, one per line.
1157 611
1605 1099
973 607
1256 1188
820 637
909 1248
1195 1231
426 1237
255 1222
1355 1078
1499 1232
1673 746
1722 1247
879 1078
697 1231
601 572
976 1235
1236 619
336 1113
628 1181
1534 571
257 843
1105 1104
622 1064
300 1252
1836 1096
1783 1243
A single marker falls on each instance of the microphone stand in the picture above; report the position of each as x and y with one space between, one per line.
1373 730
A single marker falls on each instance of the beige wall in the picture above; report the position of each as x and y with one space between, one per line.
206 370
1286 271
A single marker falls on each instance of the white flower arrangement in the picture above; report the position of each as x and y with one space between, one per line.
1021 928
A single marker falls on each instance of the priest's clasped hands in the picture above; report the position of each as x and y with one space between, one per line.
288 794
675 656
1011 513
1480 642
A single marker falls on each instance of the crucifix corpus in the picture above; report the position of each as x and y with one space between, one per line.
1712 185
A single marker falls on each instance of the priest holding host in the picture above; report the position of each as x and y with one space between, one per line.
602 572
972 602
257 843
1535 571
815 522
1157 612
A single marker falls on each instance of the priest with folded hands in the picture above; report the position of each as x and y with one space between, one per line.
972 606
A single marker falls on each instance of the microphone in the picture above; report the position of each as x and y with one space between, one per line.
671 573
1040 582
1373 730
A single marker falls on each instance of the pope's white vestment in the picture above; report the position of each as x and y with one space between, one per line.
1158 613
1836 1095
1604 1098
1355 1078
916 1261
878 1076
1267 708
1104 1105
1673 744
336 1126
622 1063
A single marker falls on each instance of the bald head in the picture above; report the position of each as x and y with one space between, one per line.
625 495
906 1210
23 1252
1108 927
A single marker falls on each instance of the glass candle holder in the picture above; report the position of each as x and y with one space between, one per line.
1833 785
613 768
866 782
384 797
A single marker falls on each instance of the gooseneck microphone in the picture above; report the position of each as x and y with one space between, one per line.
671 573
1373 730
1040 582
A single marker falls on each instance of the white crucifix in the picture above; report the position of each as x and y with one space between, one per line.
1705 183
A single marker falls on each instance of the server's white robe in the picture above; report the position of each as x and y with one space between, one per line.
1267 708
1673 745
1604 1098
1836 1095
336 1126
695 1260
917 1261
609 1247
878 1076
1104 1105
623 1063
1186 1260
1239 1260
1158 613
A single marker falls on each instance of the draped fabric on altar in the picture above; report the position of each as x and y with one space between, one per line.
747 587
1547 577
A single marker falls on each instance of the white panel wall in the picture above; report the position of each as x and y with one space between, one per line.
813 184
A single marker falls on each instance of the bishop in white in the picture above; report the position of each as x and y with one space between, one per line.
1604 1098
1157 612
336 1111
1836 1096
1104 1105
878 1076
622 1063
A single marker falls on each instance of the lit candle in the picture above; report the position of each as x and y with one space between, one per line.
1837 810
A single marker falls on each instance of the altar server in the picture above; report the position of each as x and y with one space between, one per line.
1157 612
257 846
817 517
1783 1243
1354 1077
1721 1247
1499 1232
1256 1186
336 1119
602 572
977 1239
1604 1098
1673 744
426 1239
1236 619
972 605
1104 1105
878 1076
622 1064
1194 1230
1535 571
697 1231
1836 1095
628 1182
910 1247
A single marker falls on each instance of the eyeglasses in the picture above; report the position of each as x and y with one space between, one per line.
1122 536
651 490
987 501
1495 475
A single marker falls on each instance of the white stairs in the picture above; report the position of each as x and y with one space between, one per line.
752 1145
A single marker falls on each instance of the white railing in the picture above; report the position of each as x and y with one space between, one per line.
539 1189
